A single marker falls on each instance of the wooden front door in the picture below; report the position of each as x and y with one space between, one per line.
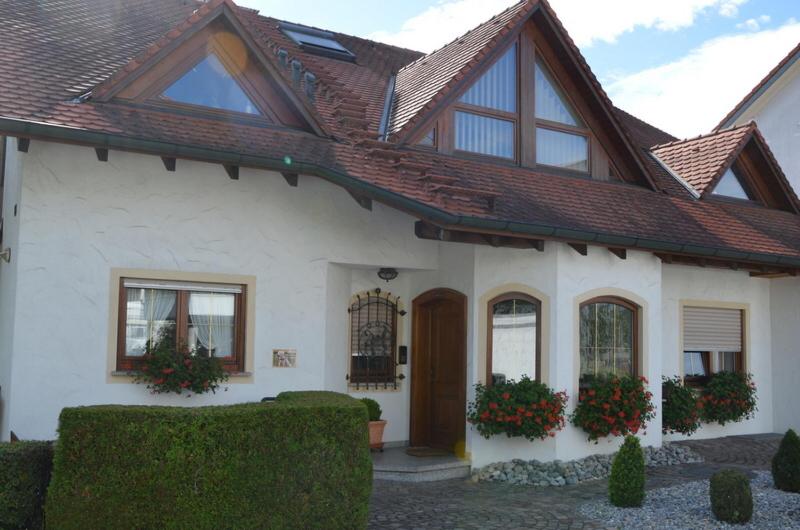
439 369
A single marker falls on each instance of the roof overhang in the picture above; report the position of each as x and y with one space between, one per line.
766 263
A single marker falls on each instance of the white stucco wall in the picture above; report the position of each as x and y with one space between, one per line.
8 280
80 218
682 283
777 114
562 278
785 303
310 249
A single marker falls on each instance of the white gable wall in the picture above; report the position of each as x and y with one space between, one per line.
777 114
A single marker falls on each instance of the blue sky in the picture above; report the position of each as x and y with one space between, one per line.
680 64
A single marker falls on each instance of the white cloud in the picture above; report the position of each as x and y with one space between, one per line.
690 95
587 21
754 24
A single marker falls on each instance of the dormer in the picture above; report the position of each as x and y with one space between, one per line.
210 67
523 96
734 165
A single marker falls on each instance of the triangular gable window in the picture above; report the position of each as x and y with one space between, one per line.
497 88
730 185
550 103
210 84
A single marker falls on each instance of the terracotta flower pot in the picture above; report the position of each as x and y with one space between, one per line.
376 434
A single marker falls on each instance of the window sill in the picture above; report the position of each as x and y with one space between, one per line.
134 373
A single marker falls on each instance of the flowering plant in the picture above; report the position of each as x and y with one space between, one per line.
527 409
618 406
681 408
167 368
728 397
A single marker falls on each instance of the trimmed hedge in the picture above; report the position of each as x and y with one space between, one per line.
786 463
731 497
626 483
24 475
300 462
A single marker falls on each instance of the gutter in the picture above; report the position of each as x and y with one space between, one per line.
37 130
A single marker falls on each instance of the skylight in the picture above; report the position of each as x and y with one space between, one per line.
317 41
730 185
209 84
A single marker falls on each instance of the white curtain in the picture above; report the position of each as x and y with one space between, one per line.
211 322
150 311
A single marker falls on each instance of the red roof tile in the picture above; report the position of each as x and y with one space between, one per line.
701 161
56 50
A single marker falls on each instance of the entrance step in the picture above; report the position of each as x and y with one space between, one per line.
395 464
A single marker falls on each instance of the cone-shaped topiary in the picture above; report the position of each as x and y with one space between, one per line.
786 463
626 484
731 498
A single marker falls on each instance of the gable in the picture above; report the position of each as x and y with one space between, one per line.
735 163
527 101
212 68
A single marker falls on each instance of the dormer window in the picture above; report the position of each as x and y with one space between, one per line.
732 185
486 115
561 136
210 84
517 112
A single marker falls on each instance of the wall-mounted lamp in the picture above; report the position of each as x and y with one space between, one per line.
387 274
6 255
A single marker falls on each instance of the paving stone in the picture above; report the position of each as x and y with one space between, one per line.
465 504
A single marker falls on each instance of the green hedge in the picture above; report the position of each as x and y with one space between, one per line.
300 462
626 483
24 475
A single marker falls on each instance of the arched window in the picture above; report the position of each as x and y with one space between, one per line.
514 338
609 342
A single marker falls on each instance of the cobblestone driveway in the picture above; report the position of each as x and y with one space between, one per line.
456 504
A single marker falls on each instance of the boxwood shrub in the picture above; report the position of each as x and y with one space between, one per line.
24 475
786 463
731 497
626 483
301 461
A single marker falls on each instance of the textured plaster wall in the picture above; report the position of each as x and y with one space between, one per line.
8 279
725 287
785 302
564 278
80 218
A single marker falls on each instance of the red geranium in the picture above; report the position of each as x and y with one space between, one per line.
619 406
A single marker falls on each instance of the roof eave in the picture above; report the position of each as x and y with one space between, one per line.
48 132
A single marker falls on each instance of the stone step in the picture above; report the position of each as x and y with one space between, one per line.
396 465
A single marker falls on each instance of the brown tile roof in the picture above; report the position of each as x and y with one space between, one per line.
701 161
762 86
423 83
56 50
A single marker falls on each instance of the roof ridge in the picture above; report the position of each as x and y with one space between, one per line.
460 37
749 124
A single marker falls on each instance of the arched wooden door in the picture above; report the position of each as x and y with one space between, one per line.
439 369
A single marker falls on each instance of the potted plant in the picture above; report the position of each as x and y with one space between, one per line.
376 424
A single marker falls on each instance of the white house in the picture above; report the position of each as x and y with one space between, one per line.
242 181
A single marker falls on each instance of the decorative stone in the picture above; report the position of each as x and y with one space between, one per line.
558 473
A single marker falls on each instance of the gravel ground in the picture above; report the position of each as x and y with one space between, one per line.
688 507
